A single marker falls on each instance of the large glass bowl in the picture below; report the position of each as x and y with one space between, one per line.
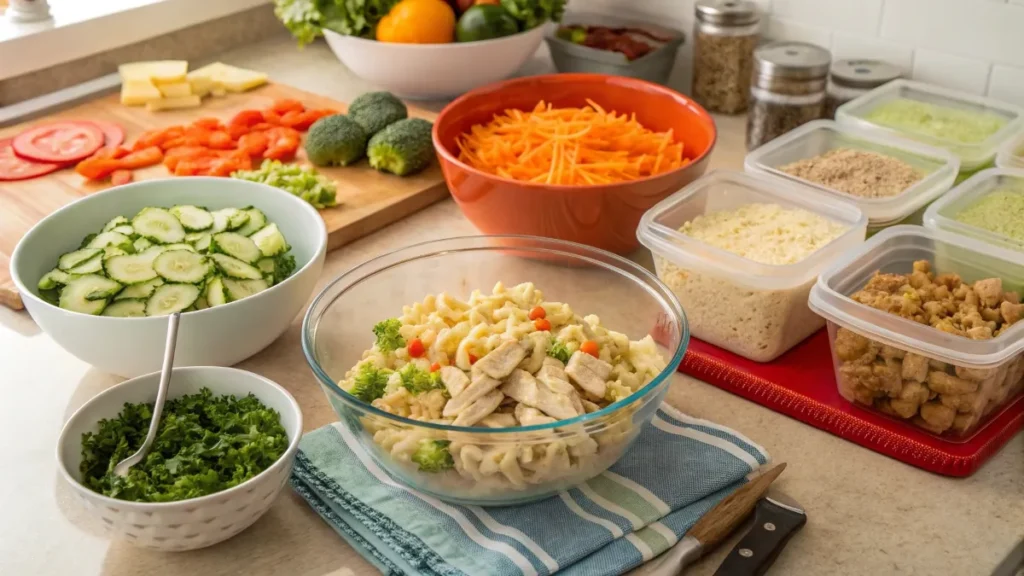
495 466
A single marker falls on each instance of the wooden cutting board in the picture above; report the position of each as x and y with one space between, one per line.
367 199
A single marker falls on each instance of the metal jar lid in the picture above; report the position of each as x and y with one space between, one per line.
792 60
865 74
727 12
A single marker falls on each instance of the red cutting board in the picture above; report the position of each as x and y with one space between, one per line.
801 384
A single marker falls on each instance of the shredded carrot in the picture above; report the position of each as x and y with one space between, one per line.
569 146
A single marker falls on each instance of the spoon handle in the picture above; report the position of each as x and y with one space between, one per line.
165 379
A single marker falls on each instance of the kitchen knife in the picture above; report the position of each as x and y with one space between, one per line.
776 519
715 525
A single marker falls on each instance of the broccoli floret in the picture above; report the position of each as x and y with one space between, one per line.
417 381
369 383
559 351
335 141
388 338
433 456
284 265
373 99
403 148
374 118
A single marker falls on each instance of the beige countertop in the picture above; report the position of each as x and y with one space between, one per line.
868 514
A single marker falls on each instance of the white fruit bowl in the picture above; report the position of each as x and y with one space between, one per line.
186 524
219 336
434 71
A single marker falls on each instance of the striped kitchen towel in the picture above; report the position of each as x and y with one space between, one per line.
677 470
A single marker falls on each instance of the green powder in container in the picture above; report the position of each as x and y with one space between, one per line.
943 122
1001 212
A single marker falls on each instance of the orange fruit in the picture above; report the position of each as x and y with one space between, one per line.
418 22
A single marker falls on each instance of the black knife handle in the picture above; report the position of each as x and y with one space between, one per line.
758 549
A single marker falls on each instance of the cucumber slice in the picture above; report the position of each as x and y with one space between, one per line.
192 218
125 229
158 225
114 223
201 303
235 268
269 279
114 239
171 298
215 295
266 265
51 296
182 266
72 259
129 308
271 241
179 246
54 278
82 294
238 289
141 244
236 246
142 290
111 251
222 219
93 265
257 220
130 269
199 240
237 220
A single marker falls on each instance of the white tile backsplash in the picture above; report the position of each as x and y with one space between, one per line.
972 45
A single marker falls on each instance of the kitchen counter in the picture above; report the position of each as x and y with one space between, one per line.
868 514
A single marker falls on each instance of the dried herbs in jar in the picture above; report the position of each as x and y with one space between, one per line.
787 91
725 36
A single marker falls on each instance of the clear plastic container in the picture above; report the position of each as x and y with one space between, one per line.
1012 154
945 383
758 311
818 137
973 156
942 214
849 79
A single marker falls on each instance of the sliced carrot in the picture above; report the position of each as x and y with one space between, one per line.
119 177
141 158
590 347
221 141
247 118
254 143
236 131
287 105
211 124
271 117
97 168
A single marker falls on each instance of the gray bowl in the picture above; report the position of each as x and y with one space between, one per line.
655 66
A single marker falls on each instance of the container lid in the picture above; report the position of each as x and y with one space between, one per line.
1012 154
863 74
942 214
973 155
894 250
820 136
727 12
659 228
793 60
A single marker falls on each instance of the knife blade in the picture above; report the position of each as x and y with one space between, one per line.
776 518
715 525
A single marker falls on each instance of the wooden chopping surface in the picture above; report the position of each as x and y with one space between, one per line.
367 200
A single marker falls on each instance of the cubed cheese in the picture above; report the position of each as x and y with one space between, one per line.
138 92
175 90
201 85
159 71
174 103
218 91
230 78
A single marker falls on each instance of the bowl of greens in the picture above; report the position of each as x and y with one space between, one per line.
425 49
240 259
225 447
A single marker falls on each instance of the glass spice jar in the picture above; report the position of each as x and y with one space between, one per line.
787 89
852 78
726 33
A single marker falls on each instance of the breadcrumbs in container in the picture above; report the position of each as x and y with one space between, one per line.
925 327
741 253
726 32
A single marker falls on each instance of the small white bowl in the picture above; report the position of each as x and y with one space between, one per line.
186 524
219 336
434 71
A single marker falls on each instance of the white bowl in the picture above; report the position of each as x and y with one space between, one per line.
187 524
434 71
218 336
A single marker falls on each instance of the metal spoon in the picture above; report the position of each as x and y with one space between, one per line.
165 379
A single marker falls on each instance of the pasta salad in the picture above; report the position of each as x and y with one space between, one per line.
500 360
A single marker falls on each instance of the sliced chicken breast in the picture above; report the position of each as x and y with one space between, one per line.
479 409
454 379
528 416
482 384
501 361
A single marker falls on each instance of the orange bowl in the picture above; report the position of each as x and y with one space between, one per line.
604 216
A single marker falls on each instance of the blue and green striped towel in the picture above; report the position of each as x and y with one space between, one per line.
677 470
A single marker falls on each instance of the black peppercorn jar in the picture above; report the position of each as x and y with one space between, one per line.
726 33
787 89
852 78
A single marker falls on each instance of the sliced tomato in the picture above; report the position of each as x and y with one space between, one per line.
119 177
14 168
59 142
113 135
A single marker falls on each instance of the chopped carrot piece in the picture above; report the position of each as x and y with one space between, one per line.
287 105
141 158
119 177
590 347
247 118
254 143
212 124
221 141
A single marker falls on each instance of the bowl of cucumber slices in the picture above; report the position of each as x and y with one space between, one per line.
240 259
